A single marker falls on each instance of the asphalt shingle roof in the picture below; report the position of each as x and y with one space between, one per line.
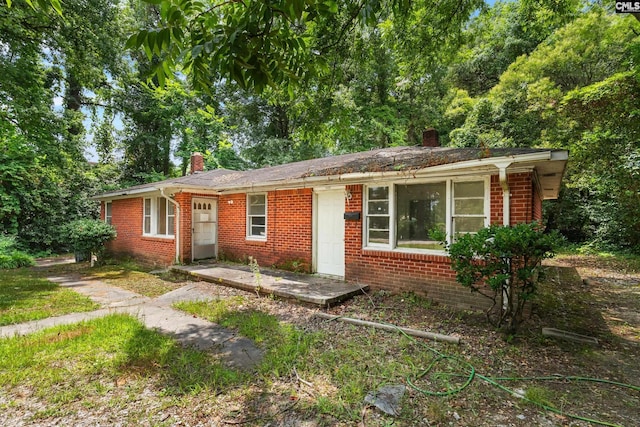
381 160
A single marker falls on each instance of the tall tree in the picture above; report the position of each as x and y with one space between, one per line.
50 66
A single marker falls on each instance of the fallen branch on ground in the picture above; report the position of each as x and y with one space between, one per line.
392 328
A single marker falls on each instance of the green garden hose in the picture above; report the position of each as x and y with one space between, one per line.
470 374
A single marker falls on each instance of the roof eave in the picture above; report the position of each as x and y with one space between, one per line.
539 160
480 165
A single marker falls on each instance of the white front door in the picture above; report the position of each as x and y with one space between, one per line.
205 228
330 233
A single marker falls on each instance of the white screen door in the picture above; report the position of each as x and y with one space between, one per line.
205 228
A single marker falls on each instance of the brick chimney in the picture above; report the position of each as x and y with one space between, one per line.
197 163
430 138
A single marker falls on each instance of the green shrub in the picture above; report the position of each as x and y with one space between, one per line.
88 236
502 263
10 257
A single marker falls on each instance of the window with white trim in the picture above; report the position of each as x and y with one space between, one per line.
108 207
257 216
468 207
159 217
420 210
378 215
413 217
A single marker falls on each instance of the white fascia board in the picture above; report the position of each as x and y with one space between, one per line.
124 194
172 189
559 155
168 189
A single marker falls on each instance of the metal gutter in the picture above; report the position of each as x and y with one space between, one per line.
177 223
506 194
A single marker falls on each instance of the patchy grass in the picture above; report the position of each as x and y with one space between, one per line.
607 302
25 297
135 281
285 345
126 275
215 310
105 363
317 372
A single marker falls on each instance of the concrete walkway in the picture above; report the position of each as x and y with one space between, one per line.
308 288
235 351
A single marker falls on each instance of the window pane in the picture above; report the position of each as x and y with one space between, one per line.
170 225
258 220
257 230
147 216
378 215
379 223
420 209
257 214
161 219
469 207
381 237
378 193
468 189
170 208
107 212
468 225
379 230
257 199
256 210
379 208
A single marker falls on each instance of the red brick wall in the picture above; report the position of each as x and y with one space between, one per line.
184 200
428 275
537 204
127 219
289 229
521 188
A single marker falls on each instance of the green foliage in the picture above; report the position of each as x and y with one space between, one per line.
606 152
502 263
43 4
10 257
88 236
44 178
291 80
254 44
575 88
501 34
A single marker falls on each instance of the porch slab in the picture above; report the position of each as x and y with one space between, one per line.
312 289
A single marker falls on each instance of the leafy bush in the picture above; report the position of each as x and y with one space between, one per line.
88 236
10 257
502 263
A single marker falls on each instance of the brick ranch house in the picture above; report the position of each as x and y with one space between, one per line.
366 217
